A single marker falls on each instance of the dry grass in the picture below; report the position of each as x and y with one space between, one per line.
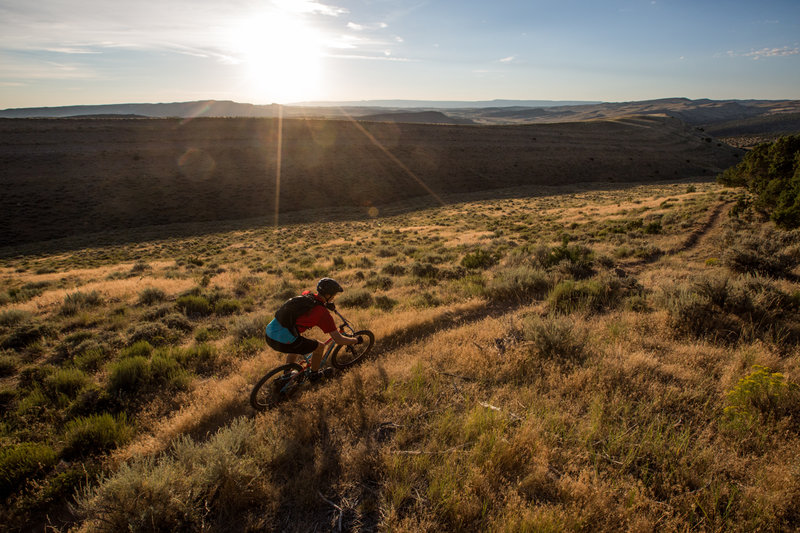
472 414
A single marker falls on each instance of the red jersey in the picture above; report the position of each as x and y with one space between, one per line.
318 316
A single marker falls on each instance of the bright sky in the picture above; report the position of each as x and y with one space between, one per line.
66 52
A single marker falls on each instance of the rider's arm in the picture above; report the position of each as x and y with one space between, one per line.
338 338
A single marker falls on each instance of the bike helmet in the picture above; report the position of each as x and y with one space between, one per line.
328 287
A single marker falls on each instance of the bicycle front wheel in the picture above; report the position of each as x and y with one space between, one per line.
344 356
278 385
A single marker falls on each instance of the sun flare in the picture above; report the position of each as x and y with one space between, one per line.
281 55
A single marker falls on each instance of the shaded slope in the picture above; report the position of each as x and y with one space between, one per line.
66 177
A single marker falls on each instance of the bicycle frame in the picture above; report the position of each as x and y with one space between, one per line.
306 363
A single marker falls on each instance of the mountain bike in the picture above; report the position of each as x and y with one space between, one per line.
279 384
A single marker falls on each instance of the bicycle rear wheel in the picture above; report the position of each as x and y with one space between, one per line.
344 356
278 385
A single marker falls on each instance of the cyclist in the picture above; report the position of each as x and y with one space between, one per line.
283 340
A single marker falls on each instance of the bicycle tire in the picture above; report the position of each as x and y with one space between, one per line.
269 391
352 354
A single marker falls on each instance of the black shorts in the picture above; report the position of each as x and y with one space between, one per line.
301 346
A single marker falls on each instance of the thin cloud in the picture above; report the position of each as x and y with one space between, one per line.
508 59
68 50
372 58
773 52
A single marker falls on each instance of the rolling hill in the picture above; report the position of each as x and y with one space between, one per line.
68 177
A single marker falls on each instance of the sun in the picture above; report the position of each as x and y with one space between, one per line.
280 55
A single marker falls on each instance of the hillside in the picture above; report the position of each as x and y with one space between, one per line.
67 177
415 117
553 360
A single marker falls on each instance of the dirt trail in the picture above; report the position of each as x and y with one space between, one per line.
698 239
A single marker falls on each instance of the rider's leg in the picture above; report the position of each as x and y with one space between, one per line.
292 357
316 356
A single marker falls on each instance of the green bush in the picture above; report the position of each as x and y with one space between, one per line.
154 333
358 298
128 374
165 370
22 461
79 301
24 334
763 393
425 299
178 322
227 307
137 349
95 433
200 358
479 259
379 282
594 295
424 270
520 283
66 381
194 306
8 365
393 269
12 317
384 303
772 172
151 295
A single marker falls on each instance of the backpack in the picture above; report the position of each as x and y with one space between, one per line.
293 309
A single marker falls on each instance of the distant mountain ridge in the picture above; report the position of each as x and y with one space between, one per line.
740 117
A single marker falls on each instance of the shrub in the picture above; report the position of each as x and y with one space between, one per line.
250 326
243 285
22 461
194 306
728 309
424 270
555 338
79 301
358 298
12 317
89 360
140 267
177 322
180 490
94 433
137 349
763 393
200 358
384 303
227 307
8 365
393 269
518 283
593 295
66 381
379 282
154 333
128 374
24 334
425 299
151 295
479 259
166 370
772 253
